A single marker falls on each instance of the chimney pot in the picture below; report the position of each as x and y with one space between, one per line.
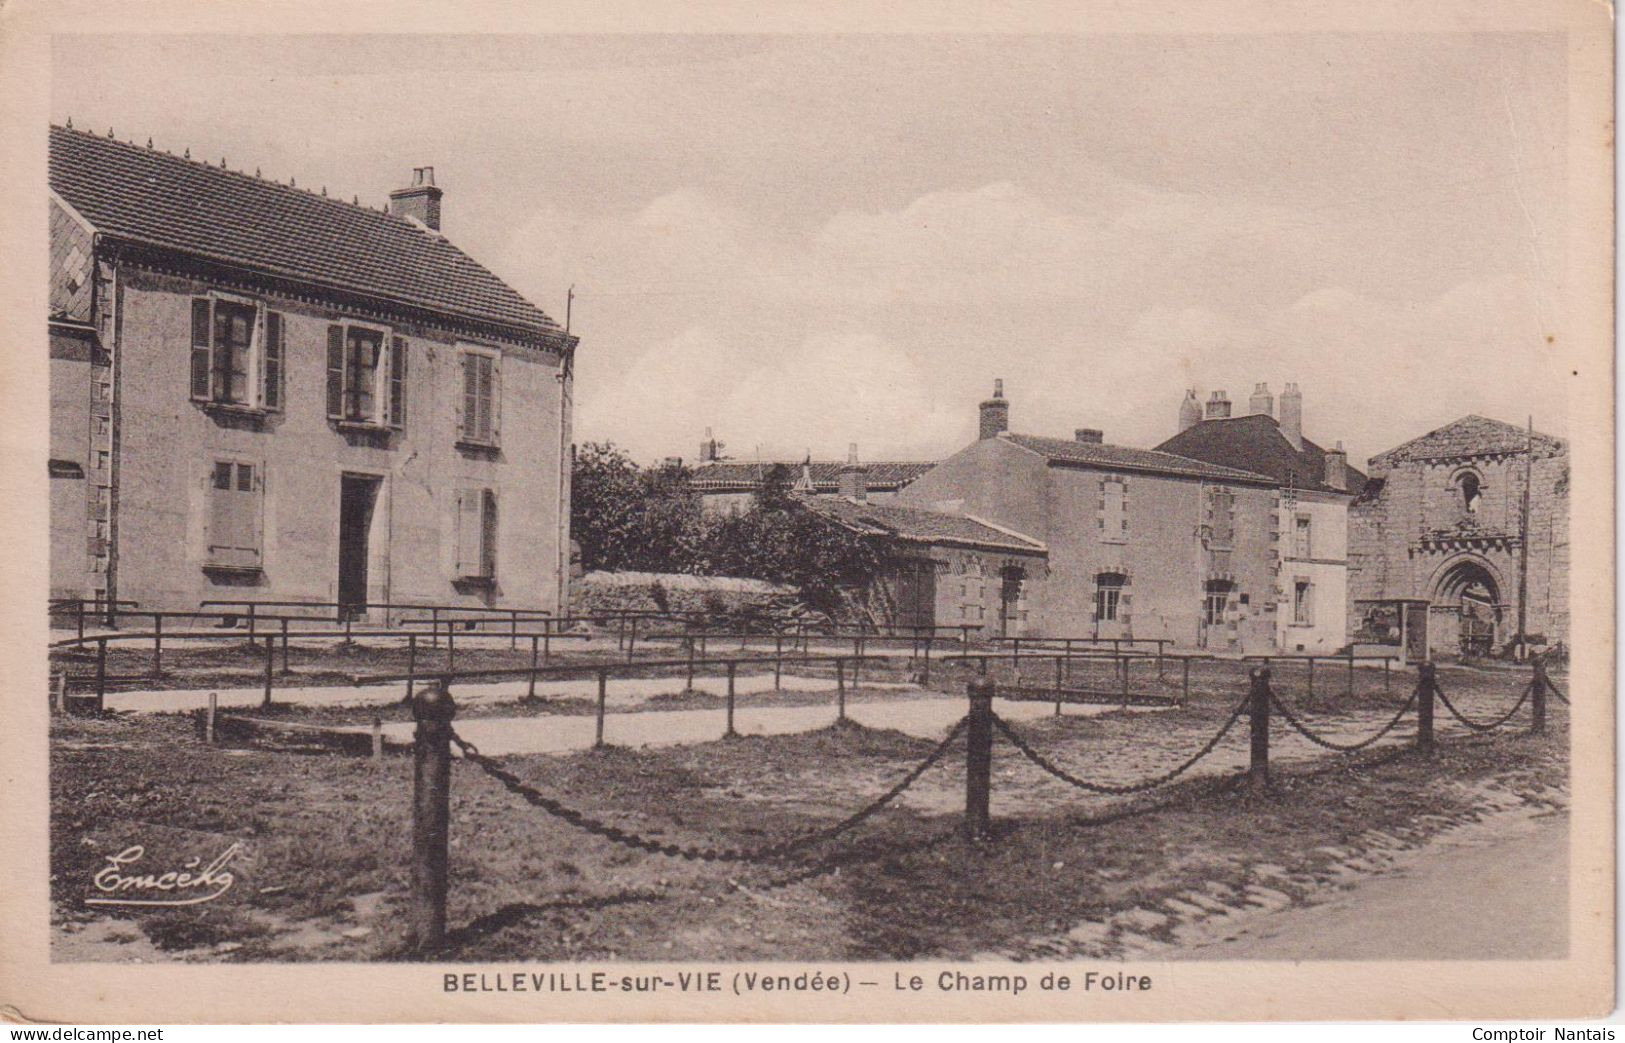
994 414
1218 406
1089 435
1190 410
420 201
1292 415
1262 401
1337 475
852 482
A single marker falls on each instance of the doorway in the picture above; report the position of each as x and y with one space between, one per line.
358 496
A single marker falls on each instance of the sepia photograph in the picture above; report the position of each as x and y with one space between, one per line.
814 523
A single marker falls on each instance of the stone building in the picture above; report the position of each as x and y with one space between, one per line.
1314 489
1438 541
259 392
1140 543
941 569
726 486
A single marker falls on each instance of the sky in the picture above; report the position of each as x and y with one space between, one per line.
804 241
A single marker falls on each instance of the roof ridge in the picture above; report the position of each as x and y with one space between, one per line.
258 179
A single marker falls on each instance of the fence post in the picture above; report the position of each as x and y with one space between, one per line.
1426 685
840 690
62 692
730 733
1058 682
631 638
270 667
688 686
101 674
1385 662
925 673
433 709
530 691
1185 683
81 622
513 630
377 739
1537 713
251 608
157 644
1258 765
547 641
285 647
411 663
603 697
778 661
451 647
1349 691
978 757
208 720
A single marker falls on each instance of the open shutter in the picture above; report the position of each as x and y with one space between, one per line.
469 532
469 416
397 383
335 371
251 500
494 400
200 348
222 534
488 533
271 356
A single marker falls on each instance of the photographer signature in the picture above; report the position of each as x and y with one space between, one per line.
189 885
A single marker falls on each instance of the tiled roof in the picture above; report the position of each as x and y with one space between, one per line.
1123 458
741 476
920 526
1255 443
152 198
1469 436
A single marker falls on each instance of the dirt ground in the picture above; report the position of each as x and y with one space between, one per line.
322 868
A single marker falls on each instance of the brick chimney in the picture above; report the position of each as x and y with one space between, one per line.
853 481
1190 411
1292 416
420 201
1261 402
1218 406
710 449
1089 435
1337 468
995 413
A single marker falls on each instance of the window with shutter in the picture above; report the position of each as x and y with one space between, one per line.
397 383
469 533
271 362
201 323
234 516
480 397
335 371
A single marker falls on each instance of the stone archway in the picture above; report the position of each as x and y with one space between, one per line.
1466 607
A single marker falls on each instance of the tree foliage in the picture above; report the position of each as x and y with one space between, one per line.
629 518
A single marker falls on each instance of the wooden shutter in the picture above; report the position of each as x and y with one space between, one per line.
397 383
271 356
493 400
466 428
234 515
488 533
335 371
469 532
201 324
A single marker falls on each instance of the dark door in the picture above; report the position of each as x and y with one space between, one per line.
916 594
1416 632
357 495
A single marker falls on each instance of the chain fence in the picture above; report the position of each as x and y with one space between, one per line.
1484 726
1339 747
694 853
1105 788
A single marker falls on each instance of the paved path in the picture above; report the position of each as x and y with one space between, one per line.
1501 897
622 691
924 717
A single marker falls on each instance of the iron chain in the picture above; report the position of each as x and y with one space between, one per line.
1483 726
1340 747
1117 791
692 853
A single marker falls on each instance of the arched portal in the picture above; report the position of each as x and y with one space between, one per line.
1467 608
